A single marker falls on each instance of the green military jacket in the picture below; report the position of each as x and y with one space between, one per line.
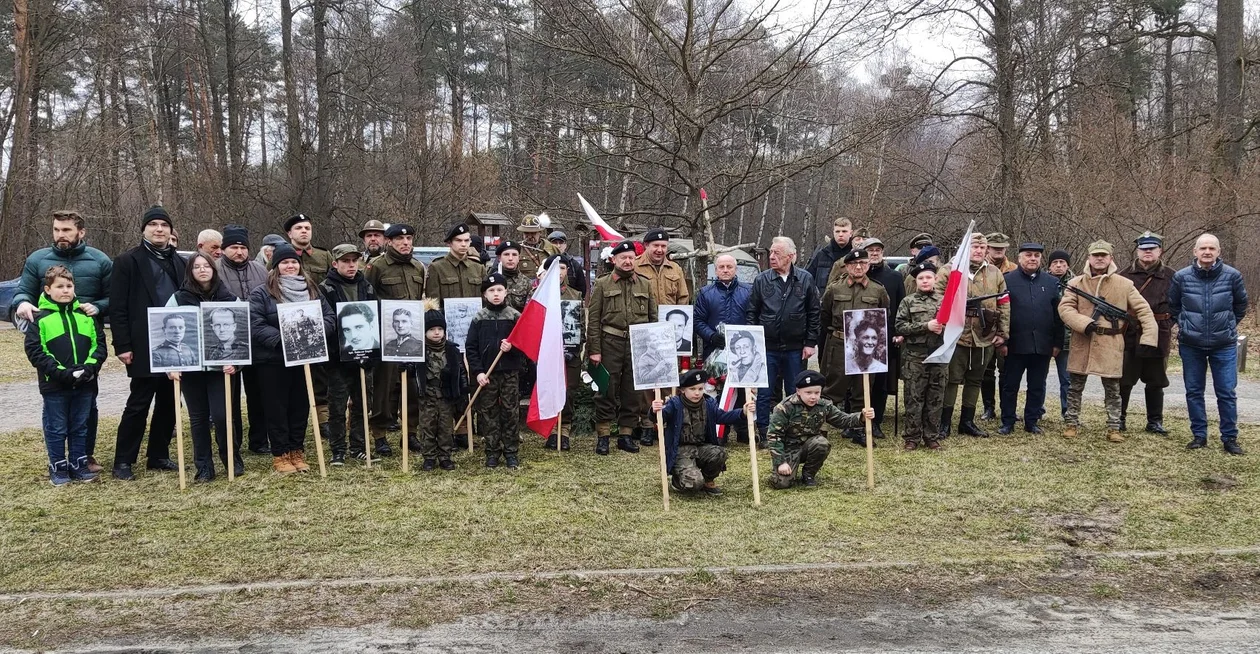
452 277
395 276
985 280
913 316
315 262
534 256
792 423
616 303
519 287
845 295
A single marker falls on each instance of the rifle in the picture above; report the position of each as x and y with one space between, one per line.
974 303
1111 312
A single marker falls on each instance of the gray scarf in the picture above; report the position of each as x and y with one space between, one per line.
293 288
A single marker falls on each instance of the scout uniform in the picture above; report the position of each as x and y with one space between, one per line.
451 276
795 435
534 251
519 285
394 276
1153 283
840 296
925 382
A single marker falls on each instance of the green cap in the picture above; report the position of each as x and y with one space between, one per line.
1100 247
344 249
998 240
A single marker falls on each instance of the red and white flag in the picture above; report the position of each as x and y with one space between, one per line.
953 311
606 232
539 334
726 402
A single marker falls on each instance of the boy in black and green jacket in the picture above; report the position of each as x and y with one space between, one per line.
67 348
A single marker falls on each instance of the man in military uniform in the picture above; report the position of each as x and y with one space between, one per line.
998 242
987 327
404 343
534 251
855 290
315 261
373 235
171 352
519 285
1098 345
457 274
619 299
795 435
394 275
229 347
1152 279
669 286
925 382
917 244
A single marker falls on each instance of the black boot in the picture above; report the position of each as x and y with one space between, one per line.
627 444
382 447
1155 411
647 436
967 423
947 423
601 445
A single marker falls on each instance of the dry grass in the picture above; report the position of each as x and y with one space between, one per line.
14 366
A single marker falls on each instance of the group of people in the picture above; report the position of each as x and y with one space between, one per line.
1019 319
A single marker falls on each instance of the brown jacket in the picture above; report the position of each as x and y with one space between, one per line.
1153 284
986 280
1103 354
669 285
450 277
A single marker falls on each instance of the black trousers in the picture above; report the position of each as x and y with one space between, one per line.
1015 365
254 405
287 408
146 391
203 393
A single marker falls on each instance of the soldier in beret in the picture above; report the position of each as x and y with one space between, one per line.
798 445
669 286
1153 279
457 274
917 244
315 261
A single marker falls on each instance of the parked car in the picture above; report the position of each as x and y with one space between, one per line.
7 291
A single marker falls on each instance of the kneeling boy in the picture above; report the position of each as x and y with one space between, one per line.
692 453
795 436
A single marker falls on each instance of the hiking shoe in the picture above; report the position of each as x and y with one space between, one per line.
1115 436
446 464
601 445
1006 430
283 465
492 461
122 472
59 473
1069 431
711 489
429 464
298 459
93 466
809 480
1197 444
1032 428
81 470
162 464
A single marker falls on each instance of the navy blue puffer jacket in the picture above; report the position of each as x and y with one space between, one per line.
716 304
1208 305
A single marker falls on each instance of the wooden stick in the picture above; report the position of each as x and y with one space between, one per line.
319 439
660 439
752 448
367 435
474 397
406 466
559 431
870 444
179 437
231 447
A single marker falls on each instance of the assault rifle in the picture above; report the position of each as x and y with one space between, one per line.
973 303
1111 312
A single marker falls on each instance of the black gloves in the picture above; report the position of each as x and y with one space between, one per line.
569 356
1149 352
1090 329
718 340
409 367
367 364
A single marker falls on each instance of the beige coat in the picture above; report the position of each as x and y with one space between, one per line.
1098 354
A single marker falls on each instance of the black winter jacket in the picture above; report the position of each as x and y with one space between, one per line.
132 291
821 262
264 322
789 312
1035 324
485 332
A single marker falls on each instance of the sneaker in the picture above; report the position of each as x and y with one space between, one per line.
59 473
162 464
1197 444
446 464
283 465
429 464
673 483
492 461
122 472
338 459
238 470
81 470
809 480
203 476
298 459
513 463
358 454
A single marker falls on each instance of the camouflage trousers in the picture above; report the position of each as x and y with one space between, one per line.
925 393
437 435
808 459
966 369
499 413
1111 399
697 464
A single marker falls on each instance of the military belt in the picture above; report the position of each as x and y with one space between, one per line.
1108 331
613 331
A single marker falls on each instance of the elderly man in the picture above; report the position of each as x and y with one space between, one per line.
1036 336
854 290
373 236
534 250
827 256
269 244
784 300
724 302
315 261
210 243
1208 300
884 384
1098 345
240 275
1152 279
396 275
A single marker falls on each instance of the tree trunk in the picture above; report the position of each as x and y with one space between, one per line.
294 151
1227 162
1007 204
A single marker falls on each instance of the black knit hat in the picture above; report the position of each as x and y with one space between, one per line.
809 378
493 279
155 212
283 252
434 318
235 235
690 378
1060 254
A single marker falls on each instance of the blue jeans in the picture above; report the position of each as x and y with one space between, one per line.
783 367
1224 363
1065 380
66 424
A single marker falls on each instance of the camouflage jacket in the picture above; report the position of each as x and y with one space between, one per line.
985 280
617 302
452 277
519 287
913 316
792 423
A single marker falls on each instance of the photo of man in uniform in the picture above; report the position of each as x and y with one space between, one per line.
404 344
228 345
172 352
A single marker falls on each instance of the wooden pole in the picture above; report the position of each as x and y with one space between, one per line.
179 437
660 439
231 447
559 431
752 449
367 434
406 466
870 444
319 439
474 399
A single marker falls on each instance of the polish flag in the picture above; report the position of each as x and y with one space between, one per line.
540 336
606 232
953 311
726 402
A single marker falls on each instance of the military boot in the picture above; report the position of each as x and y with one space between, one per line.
967 423
601 445
647 436
1124 407
382 446
626 443
1155 411
1115 436
947 422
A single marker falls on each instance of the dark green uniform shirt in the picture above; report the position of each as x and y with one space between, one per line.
617 302
453 277
396 276
315 262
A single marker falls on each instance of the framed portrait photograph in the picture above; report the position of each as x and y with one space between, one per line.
302 332
225 334
746 357
459 315
652 356
174 339
571 321
358 331
865 341
678 315
402 324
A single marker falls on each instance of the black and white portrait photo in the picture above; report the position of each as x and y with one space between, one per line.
865 341
225 334
302 332
459 315
358 331
174 339
403 329
571 321
746 357
653 356
678 315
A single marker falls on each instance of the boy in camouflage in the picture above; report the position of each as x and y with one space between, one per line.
925 382
692 453
498 405
441 382
795 435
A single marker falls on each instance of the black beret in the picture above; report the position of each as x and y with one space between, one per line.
691 378
455 230
509 245
809 378
552 259
399 229
657 234
295 219
624 246
493 279
856 255
920 267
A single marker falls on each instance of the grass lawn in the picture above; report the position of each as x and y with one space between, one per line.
14 366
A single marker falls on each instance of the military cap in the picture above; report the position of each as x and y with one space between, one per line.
809 378
372 226
691 378
863 232
979 239
508 245
624 246
557 236
492 280
454 231
872 242
998 240
1031 247
658 234
1148 240
399 229
345 249
922 267
856 255
1100 247
529 224
921 240
295 219
738 336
